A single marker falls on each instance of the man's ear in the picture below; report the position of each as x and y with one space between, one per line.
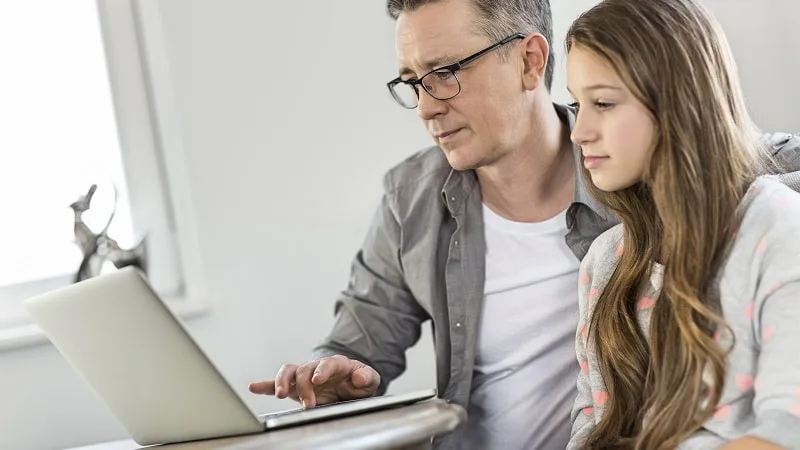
535 53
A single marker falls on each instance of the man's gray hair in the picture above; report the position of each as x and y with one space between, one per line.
499 19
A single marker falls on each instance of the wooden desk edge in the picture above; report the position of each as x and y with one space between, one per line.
392 428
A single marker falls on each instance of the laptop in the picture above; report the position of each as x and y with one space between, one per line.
139 358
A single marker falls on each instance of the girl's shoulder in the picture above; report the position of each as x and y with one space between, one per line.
604 253
771 207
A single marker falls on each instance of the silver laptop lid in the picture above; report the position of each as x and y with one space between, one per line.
140 360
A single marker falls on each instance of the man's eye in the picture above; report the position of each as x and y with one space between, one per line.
575 105
444 75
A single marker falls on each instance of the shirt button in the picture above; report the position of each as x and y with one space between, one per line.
458 324
456 243
453 198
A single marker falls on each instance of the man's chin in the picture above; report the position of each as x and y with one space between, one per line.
461 160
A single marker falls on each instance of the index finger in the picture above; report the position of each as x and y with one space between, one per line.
262 387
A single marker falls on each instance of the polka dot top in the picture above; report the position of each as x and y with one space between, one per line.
760 296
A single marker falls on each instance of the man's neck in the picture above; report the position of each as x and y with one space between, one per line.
535 182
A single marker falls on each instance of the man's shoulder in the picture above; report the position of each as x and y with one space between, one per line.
424 170
785 148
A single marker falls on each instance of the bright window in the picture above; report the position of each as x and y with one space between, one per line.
59 137
77 108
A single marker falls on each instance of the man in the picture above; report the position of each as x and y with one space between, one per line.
483 234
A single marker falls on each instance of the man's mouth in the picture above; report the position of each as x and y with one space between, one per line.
447 135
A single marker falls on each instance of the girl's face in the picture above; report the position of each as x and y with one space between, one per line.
613 128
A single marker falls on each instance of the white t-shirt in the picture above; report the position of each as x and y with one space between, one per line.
524 382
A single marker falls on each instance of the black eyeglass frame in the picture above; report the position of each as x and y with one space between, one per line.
452 68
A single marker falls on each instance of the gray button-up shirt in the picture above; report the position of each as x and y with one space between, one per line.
423 259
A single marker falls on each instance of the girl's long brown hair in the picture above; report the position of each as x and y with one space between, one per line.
675 59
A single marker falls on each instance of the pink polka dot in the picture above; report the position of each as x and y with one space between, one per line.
717 336
749 309
621 249
722 412
768 332
774 289
585 331
600 398
585 279
744 382
594 294
585 367
646 302
795 409
588 411
762 246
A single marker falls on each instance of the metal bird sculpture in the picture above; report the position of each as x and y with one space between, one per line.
99 247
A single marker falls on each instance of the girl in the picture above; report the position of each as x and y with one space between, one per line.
690 309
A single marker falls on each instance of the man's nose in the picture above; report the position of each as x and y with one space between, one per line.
429 107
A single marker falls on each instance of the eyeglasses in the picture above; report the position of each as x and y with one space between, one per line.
441 83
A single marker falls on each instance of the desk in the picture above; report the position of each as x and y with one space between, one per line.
408 428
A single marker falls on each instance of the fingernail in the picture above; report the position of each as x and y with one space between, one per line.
278 392
304 403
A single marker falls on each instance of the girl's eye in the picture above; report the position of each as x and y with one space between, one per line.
603 105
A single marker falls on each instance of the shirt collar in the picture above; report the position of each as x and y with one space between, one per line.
456 189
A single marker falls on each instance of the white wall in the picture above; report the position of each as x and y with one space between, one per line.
766 46
288 128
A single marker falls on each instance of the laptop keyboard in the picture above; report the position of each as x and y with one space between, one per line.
268 416
296 410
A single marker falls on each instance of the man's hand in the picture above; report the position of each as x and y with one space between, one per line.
327 380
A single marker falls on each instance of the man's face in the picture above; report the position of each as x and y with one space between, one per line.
485 120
